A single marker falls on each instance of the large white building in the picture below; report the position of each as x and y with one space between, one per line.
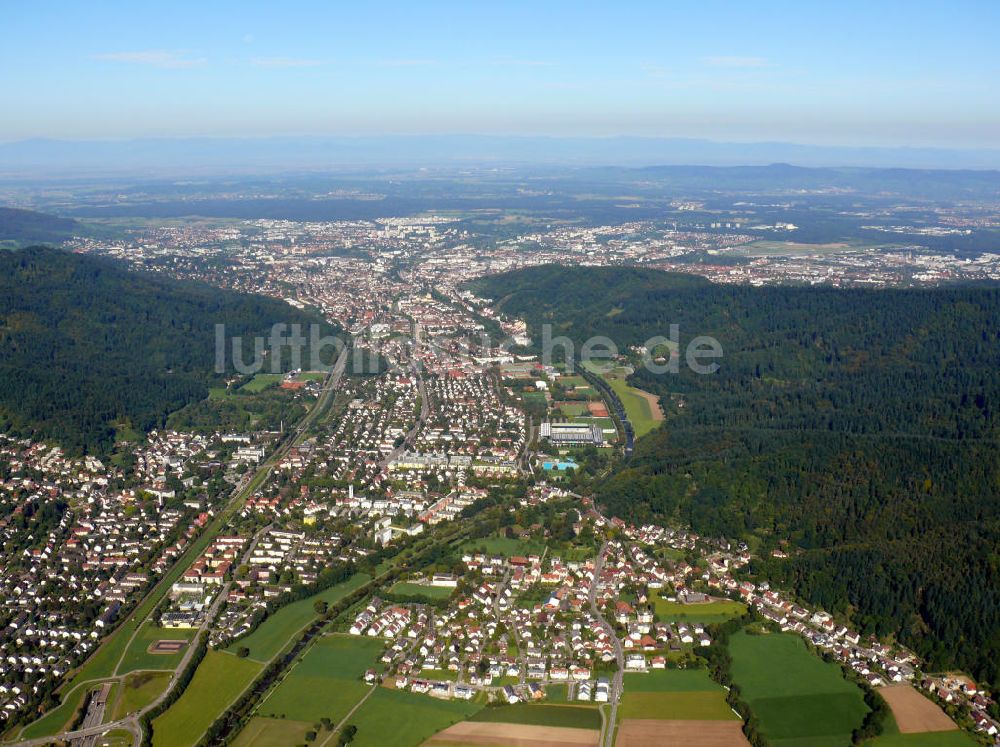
572 433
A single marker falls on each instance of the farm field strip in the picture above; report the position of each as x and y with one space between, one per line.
654 733
405 719
218 681
492 734
794 694
914 713
280 627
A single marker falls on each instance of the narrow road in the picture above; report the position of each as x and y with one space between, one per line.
608 737
425 412
343 721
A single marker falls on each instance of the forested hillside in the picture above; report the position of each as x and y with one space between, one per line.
87 346
29 226
861 425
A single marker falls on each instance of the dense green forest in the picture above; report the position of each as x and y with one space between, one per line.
87 346
29 226
861 425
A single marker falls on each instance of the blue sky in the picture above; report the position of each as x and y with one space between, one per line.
878 72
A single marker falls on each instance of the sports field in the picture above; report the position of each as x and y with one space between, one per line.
218 681
796 696
278 629
260 382
327 682
605 424
405 719
710 612
674 694
572 409
581 717
138 655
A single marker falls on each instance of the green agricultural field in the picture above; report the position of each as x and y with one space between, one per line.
138 657
637 407
55 720
277 630
928 739
710 612
675 694
671 681
557 693
405 719
274 732
218 681
139 690
675 706
580 717
796 696
341 656
434 592
326 682
445 675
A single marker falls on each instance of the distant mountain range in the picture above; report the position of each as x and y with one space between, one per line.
38 158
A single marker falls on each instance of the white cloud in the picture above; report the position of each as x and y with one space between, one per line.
161 58
735 61
284 62
407 63
507 62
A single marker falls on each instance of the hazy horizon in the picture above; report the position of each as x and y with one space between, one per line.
45 158
858 75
